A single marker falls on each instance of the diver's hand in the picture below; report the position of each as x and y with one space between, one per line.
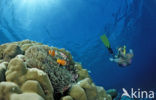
111 59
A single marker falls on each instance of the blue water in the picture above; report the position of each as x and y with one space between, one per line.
77 25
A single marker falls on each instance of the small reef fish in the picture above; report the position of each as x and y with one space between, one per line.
52 52
61 62
63 55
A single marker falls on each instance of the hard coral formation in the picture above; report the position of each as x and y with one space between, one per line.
28 71
26 96
89 87
11 51
82 73
113 93
19 73
67 98
8 88
38 57
86 90
2 70
77 93
102 95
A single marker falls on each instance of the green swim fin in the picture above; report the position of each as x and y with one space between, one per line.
105 41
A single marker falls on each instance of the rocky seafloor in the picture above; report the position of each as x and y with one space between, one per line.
29 72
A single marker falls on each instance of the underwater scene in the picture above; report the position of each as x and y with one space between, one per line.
77 49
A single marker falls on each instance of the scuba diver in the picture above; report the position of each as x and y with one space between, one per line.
122 58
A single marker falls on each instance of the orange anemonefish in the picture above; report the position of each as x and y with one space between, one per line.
61 62
52 52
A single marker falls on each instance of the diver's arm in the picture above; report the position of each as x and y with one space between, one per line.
131 51
111 59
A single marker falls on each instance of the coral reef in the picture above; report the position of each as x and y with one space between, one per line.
59 76
113 93
29 72
26 96
67 98
21 75
2 71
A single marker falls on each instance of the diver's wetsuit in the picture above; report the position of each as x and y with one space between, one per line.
110 51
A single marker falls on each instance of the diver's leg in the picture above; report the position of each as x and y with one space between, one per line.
115 60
